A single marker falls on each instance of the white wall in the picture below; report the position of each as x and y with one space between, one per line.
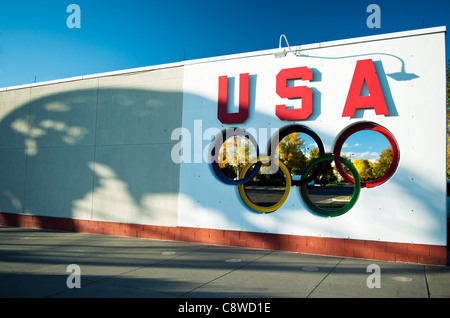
410 207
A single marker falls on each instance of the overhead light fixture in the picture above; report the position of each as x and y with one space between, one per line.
282 52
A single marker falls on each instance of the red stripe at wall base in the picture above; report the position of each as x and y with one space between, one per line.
376 250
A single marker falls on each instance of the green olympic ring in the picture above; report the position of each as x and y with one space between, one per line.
356 191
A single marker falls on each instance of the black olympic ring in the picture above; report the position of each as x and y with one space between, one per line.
285 131
218 142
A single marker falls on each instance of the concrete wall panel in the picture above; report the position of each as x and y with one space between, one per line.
56 178
96 148
63 114
136 184
14 127
139 109
12 180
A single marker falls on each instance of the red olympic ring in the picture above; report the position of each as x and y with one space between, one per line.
366 126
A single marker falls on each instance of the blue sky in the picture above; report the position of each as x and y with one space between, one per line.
35 42
365 144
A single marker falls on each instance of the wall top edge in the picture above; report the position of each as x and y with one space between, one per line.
296 48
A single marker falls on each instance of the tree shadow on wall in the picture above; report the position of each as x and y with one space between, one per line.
102 154
99 154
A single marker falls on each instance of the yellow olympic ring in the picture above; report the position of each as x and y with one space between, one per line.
264 159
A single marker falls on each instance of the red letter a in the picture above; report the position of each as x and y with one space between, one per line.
365 71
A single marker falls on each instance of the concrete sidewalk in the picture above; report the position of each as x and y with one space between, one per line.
34 263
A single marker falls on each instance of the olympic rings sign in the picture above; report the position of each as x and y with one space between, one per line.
309 173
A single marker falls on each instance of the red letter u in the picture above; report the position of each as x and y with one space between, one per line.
222 113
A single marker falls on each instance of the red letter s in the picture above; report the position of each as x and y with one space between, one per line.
302 92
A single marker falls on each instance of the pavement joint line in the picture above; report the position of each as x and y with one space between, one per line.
426 281
340 260
225 274
68 289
